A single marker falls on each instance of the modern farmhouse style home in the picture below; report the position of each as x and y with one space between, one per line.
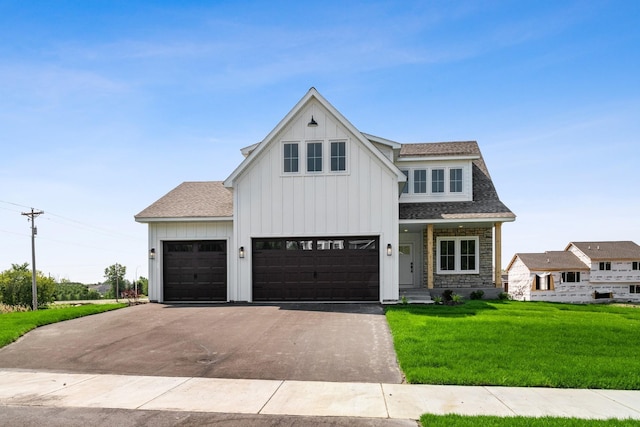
583 272
319 211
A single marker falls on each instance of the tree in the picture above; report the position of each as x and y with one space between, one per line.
115 277
16 286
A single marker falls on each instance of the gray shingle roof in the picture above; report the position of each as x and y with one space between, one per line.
552 261
609 251
192 200
485 203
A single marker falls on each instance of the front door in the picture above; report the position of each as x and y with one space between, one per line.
406 264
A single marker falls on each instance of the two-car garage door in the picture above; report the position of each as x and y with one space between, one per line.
316 269
284 269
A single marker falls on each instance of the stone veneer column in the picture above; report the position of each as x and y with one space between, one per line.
498 254
430 263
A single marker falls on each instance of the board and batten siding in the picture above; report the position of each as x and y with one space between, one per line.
160 232
360 201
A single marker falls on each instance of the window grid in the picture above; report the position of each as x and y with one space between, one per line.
455 180
420 181
291 157
437 180
314 157
467 255
338 157
447 255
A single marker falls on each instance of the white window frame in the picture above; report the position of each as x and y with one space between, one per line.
322 158
410 172
458 255
283 159
346 156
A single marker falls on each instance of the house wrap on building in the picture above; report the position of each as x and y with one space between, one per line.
319 211
583 272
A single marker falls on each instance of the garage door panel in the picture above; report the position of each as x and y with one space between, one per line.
195 271
319 269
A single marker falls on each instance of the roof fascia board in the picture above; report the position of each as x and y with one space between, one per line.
432 158
186 219
454 220
394 145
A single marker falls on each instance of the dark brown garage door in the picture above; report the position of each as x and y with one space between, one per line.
316 269
195 271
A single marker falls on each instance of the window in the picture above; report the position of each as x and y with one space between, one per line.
338 156
605 266
437 180
314 157
635 265
634 289
457 255
291 157
543 283
420 181
571 277
455 180
405 189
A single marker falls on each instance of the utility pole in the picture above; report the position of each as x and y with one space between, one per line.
34 288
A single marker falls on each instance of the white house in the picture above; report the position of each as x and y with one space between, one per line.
319 211
583 272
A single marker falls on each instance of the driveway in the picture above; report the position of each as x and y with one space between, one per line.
309 342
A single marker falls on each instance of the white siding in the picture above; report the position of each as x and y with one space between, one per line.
360 201
166 231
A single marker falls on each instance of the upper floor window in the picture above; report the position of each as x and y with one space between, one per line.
457 255
455 180
338 156
437 180
571 277
605 266
291 157
405 189
420 181
314 157
635 265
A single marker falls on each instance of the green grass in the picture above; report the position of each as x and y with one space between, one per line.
14 325
520 344
429 420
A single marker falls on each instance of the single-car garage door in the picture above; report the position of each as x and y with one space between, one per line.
195 271
316 269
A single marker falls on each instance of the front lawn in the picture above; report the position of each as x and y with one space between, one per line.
429 420
519 344
14 325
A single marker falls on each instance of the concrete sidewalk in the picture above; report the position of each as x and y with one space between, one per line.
305 398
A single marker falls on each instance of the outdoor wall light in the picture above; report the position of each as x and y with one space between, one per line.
389 249
152 253
312 123
241 252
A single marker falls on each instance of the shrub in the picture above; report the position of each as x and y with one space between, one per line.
503 296
457 299
477 294
447 295
437 299
16 286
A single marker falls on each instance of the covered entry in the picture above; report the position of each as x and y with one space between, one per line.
316 269
195 271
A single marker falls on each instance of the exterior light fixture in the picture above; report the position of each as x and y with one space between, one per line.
389 249
152 253
312 123
241 252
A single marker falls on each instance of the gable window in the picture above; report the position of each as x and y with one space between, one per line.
314 157
437 180
457 255
338 156
291 157
571 277
455 180
420 181
605 266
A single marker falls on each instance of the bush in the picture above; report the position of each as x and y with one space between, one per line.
503 296
447 295
16 287
477 294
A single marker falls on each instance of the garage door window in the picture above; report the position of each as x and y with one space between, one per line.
179 247
266 245
211 247
362 244
325 245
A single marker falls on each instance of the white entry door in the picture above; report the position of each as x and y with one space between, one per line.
406 263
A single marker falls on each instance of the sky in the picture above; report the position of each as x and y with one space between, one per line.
105 106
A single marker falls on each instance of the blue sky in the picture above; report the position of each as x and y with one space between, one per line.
107 105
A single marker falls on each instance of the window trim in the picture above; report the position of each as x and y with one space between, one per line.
576 277
458 254
346 156
284 159
307 158
410 188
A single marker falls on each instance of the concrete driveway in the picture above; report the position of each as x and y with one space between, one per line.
309 342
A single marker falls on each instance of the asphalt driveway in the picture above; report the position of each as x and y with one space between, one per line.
308 342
